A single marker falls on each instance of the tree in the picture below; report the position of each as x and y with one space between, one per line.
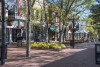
30 6
95 17
95 12
67 7
92 28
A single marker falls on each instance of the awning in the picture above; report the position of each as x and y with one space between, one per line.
54 29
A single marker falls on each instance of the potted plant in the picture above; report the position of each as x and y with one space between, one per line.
73 29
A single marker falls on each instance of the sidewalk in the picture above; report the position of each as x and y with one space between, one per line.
83 55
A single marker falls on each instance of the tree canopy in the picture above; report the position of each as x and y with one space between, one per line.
95 12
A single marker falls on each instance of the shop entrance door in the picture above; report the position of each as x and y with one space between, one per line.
14 34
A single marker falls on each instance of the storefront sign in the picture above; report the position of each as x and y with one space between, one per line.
20 18
11 12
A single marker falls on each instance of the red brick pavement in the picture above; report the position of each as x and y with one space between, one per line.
83 55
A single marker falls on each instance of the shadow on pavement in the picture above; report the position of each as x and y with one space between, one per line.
85 58
82 56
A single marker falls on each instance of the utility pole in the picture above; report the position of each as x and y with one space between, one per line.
3 46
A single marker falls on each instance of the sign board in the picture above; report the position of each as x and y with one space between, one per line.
11 12
97 53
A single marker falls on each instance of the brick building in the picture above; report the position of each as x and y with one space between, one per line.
18 24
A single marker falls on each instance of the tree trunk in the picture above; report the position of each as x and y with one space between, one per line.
28 30
63 34
60 32
63 31
60 24
47 34
47 30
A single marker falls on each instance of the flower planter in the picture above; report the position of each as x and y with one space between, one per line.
9 23
22 27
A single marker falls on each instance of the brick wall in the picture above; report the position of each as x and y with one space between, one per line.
19 8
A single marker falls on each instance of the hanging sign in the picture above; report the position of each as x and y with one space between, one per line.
11 12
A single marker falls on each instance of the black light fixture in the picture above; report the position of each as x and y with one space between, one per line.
97 53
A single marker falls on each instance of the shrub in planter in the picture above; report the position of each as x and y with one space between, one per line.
44 46
47 46
52 45
34 45
57 47
9 23
63 46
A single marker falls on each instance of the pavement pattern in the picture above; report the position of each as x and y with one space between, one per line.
83 55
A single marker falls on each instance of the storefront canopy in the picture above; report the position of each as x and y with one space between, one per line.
54 29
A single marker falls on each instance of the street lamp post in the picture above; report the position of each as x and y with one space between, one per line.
73 29
73 32
3 46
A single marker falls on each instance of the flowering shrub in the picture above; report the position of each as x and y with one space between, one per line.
47 46
63 46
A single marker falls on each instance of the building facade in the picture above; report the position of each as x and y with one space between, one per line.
17 23
81 32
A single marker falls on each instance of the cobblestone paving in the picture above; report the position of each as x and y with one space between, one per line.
83 55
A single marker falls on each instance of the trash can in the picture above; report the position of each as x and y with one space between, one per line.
5 52
71 43
97 53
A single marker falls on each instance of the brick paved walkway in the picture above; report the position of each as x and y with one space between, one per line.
83 55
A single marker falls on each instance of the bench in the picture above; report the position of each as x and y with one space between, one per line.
76 41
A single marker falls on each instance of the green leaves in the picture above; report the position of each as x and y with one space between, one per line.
47 46
95 10
92 26
95 15
90 20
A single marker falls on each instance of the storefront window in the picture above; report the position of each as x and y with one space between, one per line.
22 23
15 24
23 4
16 5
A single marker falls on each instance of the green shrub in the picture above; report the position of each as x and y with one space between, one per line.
47 46
57 47
63 46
